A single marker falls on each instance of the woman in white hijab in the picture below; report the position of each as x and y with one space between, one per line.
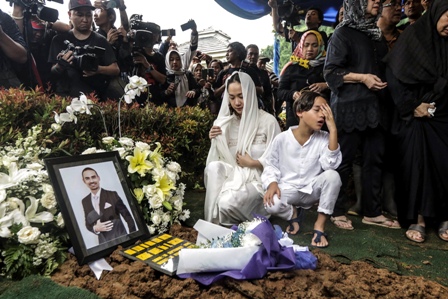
182 88
240 136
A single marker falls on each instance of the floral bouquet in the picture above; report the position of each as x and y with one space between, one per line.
32 238
246 252
154 181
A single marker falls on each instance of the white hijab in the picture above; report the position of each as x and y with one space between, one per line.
181 79
249 123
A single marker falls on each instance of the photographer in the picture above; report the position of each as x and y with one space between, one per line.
69 61
146 62
12 51
38 34
104 18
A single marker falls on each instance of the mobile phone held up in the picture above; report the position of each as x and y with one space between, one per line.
168 32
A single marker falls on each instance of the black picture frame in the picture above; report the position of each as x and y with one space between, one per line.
74 199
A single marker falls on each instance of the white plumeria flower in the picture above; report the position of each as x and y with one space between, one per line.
80 104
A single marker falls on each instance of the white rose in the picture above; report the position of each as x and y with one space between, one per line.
47 188
108 140
60 220
166 217
90 150
174 167
155 201
48 201
149 190
28 235
143 146
156 219
125 141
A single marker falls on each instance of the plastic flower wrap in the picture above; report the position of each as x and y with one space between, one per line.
154 181
248 252
32 241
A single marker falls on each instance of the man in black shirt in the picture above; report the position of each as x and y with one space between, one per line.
12 51
73 76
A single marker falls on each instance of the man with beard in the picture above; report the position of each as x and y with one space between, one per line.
77 72
103 209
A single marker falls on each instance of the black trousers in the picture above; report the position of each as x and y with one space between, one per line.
371 145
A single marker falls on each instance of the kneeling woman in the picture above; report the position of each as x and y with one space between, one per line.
240 136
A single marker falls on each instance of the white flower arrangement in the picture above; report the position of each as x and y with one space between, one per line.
28 211
154 181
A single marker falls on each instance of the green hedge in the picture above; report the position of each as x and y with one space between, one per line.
183 132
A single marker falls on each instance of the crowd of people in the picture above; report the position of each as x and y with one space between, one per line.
385 83
365 102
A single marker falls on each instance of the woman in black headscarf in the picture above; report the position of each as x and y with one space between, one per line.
355 73
417 75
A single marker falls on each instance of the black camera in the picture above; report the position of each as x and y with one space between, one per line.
290 13
85 58
205 73
189 25
168 32
37 7
142 33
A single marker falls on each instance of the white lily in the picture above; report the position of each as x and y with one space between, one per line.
32 216
15 176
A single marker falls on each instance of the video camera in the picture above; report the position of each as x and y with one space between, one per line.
290 13
141 33
85 58
37 7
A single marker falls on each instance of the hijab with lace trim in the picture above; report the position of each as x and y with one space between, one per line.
181 79
355 17
298 57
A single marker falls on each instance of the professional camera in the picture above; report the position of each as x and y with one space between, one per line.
37 7
141 33
85 58
290 13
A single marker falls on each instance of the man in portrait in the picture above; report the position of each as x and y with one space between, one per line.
102 210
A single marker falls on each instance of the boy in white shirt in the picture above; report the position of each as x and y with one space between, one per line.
301 167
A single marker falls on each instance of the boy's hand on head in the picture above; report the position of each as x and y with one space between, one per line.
329 118
268 199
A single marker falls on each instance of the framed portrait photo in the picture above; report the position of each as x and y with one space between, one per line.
97 206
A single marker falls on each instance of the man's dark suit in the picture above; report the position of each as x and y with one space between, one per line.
111 207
